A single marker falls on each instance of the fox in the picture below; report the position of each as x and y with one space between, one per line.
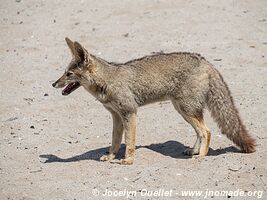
188 80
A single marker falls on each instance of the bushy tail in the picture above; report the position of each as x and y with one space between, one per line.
223 110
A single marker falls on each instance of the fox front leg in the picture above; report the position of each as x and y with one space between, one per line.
129 123
116 137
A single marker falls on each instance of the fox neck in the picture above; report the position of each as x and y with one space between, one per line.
98 82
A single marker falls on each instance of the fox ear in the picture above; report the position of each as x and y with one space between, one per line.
71 46
81 52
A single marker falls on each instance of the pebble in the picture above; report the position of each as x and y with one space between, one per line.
234 168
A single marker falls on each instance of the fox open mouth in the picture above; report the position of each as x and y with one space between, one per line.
70 88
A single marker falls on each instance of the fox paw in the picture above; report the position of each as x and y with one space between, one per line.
126 161
191 152
107 157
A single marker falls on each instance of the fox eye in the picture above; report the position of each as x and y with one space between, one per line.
69 74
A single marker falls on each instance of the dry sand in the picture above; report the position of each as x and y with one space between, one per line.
50 144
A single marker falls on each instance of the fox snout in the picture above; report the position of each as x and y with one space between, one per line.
59 84
70 85
54 84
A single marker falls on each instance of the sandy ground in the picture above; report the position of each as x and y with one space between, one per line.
50 144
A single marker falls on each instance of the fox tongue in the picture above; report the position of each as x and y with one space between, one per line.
70 88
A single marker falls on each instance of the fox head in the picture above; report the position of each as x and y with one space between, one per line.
78 71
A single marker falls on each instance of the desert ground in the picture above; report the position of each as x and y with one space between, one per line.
50 144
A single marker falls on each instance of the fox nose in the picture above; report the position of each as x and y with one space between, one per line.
54 84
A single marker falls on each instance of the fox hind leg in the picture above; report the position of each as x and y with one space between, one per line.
195 118
201 146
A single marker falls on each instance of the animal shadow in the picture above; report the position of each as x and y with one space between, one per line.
89 155
170 148
175 149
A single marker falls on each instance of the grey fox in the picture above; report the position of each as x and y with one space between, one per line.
186 79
